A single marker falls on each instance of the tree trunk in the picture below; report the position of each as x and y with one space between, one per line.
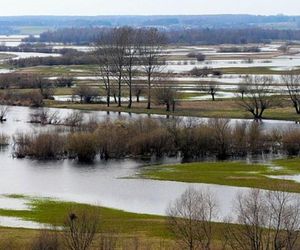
149 92
130 91
108 97
120 91
168 106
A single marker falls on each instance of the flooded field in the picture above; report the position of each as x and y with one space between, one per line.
107 183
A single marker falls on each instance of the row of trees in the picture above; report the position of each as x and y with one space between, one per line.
122 51
256 94
264 220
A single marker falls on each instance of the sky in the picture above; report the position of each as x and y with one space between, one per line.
148 7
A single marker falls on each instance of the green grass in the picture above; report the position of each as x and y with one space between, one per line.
286 113
148 228
54 212
255 70
229 173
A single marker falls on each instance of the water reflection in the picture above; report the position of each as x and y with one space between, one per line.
102 183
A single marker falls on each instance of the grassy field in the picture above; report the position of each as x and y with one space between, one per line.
54 212
226 108
148 229
229 173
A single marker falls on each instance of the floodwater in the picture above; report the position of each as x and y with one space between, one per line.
104 183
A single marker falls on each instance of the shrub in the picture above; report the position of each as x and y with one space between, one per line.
83 146
46 241
46 145
291 142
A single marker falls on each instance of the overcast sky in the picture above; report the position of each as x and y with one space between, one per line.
147 7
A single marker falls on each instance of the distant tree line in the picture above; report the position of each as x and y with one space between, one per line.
68 57
176 36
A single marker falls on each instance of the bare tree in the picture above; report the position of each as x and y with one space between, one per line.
86 93
3 113
269 220
113 43
222 133
45 116
137 90
80 228
74 119
211 88
292 83
151 57
103 54
258 97
165 94
242 90
46 240
131 59
190 219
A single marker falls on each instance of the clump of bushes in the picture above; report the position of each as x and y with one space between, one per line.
4 140
32 98
148 137
43 146
236 49
291 142
197 55
83 146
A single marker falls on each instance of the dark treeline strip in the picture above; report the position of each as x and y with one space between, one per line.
68 57
38 48
177 36
148 137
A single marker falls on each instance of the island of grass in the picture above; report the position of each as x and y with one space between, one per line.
240 174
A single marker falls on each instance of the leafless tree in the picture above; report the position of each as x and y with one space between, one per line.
292 83
151 59
258 97
45 116
137 90
65 81
221 131
103 55
113 44
164 93
80 228
242 90
131 59
269 220
46 240
74 119
3 113
190 219
211 88
86 93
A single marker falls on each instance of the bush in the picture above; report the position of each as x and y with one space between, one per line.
83 146
46 241
44 146
291 142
